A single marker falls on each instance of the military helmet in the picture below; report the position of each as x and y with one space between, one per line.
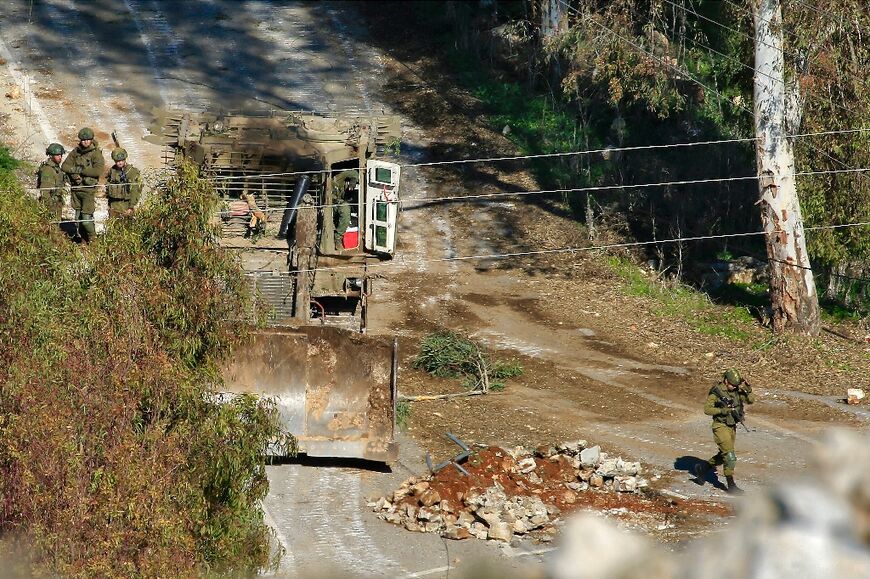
119 154
732 376
86 133
55 149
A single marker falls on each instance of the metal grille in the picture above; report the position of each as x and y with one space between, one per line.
274 293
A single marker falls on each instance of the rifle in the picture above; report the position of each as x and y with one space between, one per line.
115 140
725 402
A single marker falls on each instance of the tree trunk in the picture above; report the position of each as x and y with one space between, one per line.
551 18
777 112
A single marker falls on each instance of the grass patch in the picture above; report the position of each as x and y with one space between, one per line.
403 414
452 355
685 303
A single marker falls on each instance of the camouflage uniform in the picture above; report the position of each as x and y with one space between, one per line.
84 165
725 406
123 188
341 208
50 182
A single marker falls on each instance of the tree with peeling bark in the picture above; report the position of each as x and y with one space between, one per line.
777 112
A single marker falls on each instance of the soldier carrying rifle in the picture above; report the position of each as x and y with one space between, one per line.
725 403
123 183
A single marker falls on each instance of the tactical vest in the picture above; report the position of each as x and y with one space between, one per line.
732 399
49 178
123 183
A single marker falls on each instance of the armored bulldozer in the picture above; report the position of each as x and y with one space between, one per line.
310 206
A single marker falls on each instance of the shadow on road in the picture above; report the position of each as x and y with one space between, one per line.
329 462
695 466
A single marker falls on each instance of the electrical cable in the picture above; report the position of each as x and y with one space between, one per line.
552 251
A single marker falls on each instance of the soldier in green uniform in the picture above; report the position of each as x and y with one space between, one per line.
84 165
725 403
50 180
123 185
342 187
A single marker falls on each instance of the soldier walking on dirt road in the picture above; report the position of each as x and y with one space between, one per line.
123 185
84 166
50 180
725 404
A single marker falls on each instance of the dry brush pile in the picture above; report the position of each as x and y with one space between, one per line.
114 458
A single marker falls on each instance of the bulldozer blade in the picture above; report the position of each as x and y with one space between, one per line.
335 389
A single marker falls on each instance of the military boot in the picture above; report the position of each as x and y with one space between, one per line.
733 489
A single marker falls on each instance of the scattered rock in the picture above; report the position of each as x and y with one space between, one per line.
429 498
13 93
854 395
513 504
545 451
625 484
457 533
501 532
589 457
526 465
465 520
419 488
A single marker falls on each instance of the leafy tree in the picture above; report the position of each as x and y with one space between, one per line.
115 457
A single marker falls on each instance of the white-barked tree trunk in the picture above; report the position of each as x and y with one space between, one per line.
793 293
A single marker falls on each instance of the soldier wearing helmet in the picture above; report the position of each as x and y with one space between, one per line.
50 180
123 185
84 166
725 403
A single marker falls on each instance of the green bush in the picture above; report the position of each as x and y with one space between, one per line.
451 355
115 458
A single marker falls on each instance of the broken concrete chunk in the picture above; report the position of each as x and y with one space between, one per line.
545 451
447 506
382 504
424 514
457 533
490 517
854 395
465 519
413 526
526 465
596 481
419 488
590 457
432 527
501 532
429 498
519 526
608 468
625 484
577 486
568 496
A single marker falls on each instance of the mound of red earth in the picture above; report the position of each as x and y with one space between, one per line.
512 492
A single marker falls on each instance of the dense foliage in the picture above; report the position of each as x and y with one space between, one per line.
634 73
115 458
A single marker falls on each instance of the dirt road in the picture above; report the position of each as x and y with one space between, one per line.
106 64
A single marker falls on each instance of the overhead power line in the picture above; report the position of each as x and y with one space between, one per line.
616 187
606 150
549 251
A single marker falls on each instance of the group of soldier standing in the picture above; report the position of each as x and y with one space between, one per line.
82 169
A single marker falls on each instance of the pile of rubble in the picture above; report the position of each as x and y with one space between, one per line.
499 493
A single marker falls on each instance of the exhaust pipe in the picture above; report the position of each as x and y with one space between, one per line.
293 204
